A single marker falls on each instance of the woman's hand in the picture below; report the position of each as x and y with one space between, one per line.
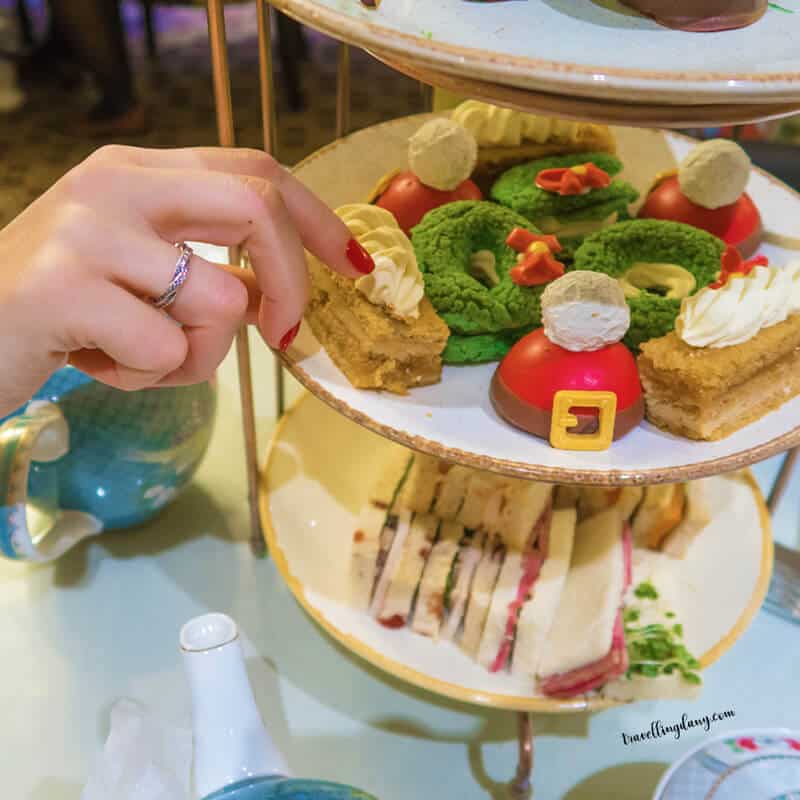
79 267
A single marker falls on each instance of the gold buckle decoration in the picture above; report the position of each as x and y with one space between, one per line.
563 419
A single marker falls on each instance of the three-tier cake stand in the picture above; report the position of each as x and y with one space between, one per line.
446 47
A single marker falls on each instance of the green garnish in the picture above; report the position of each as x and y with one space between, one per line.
466 539
451 582
656 649
776 7
646 590
670 615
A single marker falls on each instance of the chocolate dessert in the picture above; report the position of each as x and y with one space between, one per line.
701 15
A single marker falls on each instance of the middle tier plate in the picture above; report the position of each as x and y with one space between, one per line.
455 420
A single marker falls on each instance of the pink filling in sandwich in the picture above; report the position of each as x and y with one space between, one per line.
533 564
615 663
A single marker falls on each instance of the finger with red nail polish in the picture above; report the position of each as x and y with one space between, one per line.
289 337
359 257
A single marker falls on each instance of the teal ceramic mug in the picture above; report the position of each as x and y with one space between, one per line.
83 457
279 788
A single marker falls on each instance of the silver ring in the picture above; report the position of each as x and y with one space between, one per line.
178 277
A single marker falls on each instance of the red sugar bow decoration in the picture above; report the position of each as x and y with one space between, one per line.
579 179
732 263
536 262
520 240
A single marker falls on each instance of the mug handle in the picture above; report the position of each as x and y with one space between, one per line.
39 434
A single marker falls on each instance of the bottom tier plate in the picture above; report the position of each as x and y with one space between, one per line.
318 471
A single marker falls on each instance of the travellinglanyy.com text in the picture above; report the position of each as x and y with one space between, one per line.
659 729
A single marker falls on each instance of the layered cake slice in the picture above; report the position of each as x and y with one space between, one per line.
734 356
380 331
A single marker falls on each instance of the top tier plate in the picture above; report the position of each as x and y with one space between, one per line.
591 48
454 419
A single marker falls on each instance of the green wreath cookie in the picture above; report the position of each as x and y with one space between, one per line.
466 262
658 263
481 348
570 217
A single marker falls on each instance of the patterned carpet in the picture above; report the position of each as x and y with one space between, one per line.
36 146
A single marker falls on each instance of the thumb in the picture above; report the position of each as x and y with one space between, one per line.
248 278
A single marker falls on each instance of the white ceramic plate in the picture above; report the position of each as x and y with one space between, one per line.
611 112
310 500
761 764
594 48
454 419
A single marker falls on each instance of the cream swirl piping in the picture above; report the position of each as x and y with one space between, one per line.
396 282
390 286
740 308
793 269
493 126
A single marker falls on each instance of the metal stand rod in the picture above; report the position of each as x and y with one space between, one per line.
343 92
267 89
783 597
265 76
426 95
521 788
224 106
782 480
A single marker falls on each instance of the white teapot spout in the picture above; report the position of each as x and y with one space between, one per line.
230 741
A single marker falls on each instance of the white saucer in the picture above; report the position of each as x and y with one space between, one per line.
762 764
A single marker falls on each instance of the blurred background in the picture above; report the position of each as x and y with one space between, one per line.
75 74
65 92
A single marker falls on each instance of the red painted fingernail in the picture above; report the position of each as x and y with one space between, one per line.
359 257
288 338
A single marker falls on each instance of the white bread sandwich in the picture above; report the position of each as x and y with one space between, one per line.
419 489
403 571
528 586
696 516
670 516
538 614
460 580
480 501
480 595
594 499
376 528
515 585
452 492
431 532
586 647
430 607
483 492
